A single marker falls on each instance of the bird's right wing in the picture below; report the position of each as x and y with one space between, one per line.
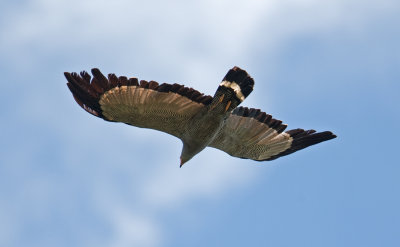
164 107
252 134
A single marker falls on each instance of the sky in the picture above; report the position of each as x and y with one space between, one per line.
68 178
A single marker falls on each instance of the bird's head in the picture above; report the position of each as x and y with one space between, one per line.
188 151
184 160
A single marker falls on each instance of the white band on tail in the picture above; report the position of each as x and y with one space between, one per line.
235 88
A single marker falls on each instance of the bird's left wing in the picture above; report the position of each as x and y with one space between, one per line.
252 134
164 107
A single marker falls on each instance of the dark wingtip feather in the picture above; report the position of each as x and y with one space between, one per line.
87 91
303 139
83 95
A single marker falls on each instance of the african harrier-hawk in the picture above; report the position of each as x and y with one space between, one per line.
198 120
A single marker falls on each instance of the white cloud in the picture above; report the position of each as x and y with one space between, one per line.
134 230
99 25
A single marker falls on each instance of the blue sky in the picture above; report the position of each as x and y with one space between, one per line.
70 179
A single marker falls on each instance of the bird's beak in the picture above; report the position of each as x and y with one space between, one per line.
182 162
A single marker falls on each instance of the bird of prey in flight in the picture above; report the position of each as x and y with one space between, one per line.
199 120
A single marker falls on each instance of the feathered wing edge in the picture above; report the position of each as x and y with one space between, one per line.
303 138
270 134
87 91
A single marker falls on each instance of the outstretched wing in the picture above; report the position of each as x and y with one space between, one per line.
164 107
252 134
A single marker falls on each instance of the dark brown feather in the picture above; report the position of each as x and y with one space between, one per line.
87 90
143 84
113 81
153 85
303 139
133 82
101 79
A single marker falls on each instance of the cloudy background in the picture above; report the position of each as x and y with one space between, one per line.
70 179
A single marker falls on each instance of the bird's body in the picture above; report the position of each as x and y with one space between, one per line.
198 120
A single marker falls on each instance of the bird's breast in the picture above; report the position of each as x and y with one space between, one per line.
203 128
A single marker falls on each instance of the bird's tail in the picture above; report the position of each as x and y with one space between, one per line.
234 88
